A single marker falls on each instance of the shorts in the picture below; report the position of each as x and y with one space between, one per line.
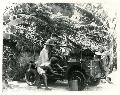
40 70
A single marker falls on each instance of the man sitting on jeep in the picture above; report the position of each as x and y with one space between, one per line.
44 58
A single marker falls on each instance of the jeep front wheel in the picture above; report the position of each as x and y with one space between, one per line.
94 82
78 75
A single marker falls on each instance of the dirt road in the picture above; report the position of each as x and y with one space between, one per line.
61 86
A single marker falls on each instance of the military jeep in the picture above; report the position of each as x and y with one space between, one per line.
79 64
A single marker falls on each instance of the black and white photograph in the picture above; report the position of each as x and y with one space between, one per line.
50 47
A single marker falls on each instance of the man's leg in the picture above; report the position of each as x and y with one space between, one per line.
38 81
42 72
45 81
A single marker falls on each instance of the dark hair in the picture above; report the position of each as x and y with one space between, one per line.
54 35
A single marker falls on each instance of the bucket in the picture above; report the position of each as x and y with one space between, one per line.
73 85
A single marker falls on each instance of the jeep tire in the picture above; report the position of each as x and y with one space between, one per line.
94 82
78 75
30 77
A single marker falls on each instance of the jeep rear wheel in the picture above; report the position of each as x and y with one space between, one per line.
78 75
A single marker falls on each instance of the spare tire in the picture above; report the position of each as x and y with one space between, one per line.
31 76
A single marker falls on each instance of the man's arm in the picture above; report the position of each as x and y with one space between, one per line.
60 67
52 70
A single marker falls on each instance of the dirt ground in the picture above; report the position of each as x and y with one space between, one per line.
61 86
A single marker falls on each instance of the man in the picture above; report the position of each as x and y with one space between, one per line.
44 58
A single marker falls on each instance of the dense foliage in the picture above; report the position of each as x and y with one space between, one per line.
32 24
